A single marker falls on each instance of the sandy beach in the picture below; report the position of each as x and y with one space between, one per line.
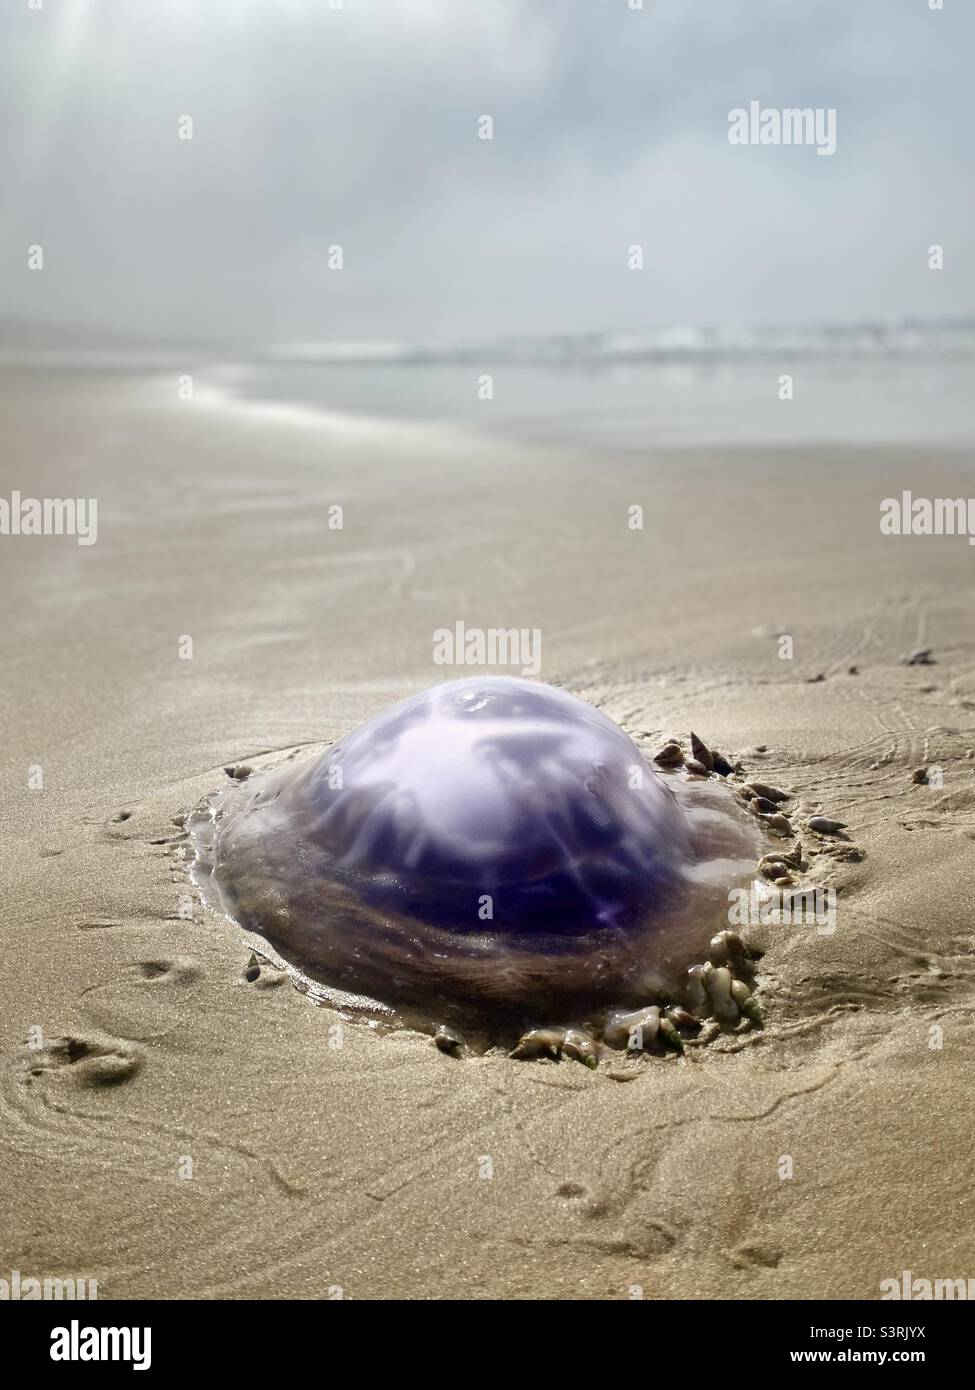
329 1162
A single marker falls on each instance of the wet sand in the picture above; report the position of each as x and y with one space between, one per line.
327 1158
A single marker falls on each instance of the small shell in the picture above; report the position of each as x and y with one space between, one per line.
697 998
702 753
824 826
580 1047
669 1035
919 776
772 868
779 823
739 992
728 945
252 970
793 857
722 1004
785 881
239 772
769 793
671 755
746 1002
763 807
681 1018
635 1031
539 1042
448 1041
697 768
751 1011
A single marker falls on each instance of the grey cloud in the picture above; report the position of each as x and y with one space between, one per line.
358 126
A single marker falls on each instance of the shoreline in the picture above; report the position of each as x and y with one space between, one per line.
580 416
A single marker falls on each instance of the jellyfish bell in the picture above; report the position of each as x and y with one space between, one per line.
492 846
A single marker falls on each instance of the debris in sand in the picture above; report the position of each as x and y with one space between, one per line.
671 755
702 753
769 793
773 869
728 946
580 1047
636 1030
448 1041
539 1042
824 826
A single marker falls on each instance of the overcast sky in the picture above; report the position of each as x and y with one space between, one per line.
358 126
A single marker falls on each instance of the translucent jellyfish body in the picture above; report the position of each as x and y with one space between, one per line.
492 847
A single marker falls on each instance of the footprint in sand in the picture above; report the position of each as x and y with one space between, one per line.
138 1000
87 1060
757 1257
181 971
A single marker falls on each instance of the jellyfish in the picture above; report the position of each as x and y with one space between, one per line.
490 852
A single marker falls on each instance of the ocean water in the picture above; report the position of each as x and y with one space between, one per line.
897 381
879 383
